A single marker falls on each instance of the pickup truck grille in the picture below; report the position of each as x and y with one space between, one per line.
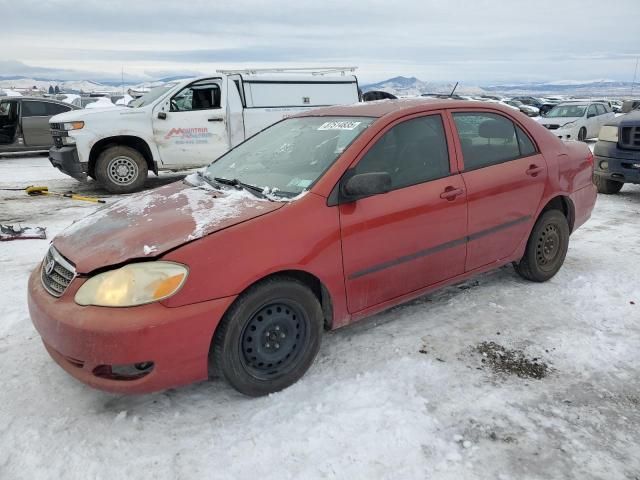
55 126
630 137
56 273
552 127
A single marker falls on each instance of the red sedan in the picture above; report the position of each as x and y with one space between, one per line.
315 222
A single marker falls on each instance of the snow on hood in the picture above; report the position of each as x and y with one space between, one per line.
154 222
557 120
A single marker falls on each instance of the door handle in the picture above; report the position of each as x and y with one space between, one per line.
533 170
450 193
216 119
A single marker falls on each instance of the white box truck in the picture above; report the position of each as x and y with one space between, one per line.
187 124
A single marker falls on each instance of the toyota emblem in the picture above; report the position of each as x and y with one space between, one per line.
48 269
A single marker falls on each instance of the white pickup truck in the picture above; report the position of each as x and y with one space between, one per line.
186 124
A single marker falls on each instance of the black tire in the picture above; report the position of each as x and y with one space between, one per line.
606 186
582 135
269 337
546 248
121 169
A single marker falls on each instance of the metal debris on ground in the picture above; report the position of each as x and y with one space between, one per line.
13 232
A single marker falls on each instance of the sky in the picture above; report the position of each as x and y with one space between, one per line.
480 42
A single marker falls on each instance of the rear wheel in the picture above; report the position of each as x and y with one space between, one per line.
121 169
582 134
546 248
604 185
269 337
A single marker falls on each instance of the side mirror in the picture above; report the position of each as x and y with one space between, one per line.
591 115
364 185
162 115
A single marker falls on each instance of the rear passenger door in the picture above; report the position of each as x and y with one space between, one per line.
505 177
35 123
413 236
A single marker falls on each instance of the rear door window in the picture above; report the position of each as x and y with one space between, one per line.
412 152
31 108
487 139
601 110
56 108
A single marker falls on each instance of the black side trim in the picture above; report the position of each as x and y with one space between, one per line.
497 228
438 248
408 258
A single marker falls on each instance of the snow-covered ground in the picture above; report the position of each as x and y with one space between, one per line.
403 395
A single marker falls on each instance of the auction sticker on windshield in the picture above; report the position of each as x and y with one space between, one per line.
343 125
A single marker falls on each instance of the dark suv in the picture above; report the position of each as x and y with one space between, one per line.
24 123
617 153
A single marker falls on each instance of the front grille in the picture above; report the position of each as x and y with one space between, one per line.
56 126
56 273
630 137
552 127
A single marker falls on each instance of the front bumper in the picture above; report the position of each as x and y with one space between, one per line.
85 340
615 163
566 133
66 160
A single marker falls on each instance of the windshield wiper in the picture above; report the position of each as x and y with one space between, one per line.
234 182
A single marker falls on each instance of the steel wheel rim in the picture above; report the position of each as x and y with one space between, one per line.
548 247
273 339
122 170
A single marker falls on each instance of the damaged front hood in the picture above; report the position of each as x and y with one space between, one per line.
153 222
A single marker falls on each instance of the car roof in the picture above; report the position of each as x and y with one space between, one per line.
381 108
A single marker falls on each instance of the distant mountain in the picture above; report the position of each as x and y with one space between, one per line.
569 87
412 86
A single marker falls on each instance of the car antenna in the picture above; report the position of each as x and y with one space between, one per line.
454 89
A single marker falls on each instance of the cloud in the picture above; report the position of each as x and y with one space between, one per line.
478 41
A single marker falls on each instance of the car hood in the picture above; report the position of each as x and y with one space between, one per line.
148 224
629 119
562 121
82 114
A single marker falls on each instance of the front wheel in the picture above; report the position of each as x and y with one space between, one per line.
546 248
269 337
606 186
582 135
121 169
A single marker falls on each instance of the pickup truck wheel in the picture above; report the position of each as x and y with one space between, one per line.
604 185
121 169
546 248
582 134
269 337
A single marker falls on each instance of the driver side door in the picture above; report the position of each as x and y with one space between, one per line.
190 128
414 235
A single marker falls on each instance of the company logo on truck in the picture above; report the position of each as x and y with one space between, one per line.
189 135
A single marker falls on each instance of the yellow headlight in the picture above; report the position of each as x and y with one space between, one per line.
608 133
134 284
73 125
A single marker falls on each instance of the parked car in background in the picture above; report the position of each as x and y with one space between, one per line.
630 105
528 110
24 123
318 221
617 153
184 124
102 102
527 100
577 120
374 95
